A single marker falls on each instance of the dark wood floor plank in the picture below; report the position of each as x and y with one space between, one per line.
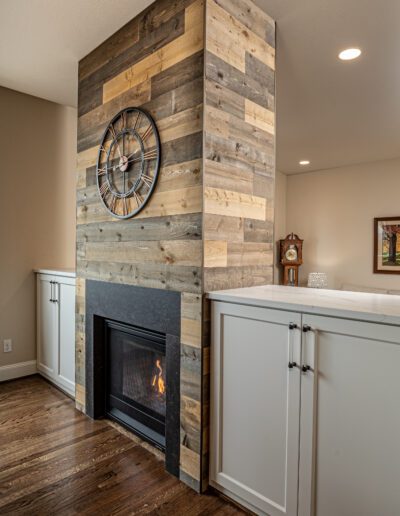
55 460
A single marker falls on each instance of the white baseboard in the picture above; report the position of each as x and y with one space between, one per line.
9 372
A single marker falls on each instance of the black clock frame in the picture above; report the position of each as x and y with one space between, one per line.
137 135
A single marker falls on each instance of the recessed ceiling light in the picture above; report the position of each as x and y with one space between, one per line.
304 162
349 53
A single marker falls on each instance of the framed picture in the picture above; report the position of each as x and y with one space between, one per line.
387 245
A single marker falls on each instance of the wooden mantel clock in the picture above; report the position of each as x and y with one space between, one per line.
128 162
291 257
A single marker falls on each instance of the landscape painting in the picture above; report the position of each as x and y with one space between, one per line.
387 245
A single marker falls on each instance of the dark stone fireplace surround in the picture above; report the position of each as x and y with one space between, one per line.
152 309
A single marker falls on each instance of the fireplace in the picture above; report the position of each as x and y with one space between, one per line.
133 362
136 382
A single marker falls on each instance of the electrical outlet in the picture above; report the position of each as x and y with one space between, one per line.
7 345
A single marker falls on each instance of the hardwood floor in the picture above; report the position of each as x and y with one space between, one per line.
55 460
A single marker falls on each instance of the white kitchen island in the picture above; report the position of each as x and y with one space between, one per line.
305 390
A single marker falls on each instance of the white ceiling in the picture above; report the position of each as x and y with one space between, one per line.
331 112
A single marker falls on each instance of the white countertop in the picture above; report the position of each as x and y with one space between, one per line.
70 273
381 308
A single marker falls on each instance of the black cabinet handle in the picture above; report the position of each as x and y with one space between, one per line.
306 328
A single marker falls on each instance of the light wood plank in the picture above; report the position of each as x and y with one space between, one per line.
171 252
190 462
234 204
191 319
181 124
215 253
259 117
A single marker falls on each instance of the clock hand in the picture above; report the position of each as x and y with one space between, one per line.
132 154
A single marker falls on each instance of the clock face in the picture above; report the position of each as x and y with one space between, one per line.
291 254
128 162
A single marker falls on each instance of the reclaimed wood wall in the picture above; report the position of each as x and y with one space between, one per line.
210 88
239 145
154 62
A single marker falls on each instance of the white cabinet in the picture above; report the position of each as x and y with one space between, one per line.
56 330
350 419
318 438
256 397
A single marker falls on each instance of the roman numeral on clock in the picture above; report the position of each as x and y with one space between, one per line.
151 154
147 133
104 188
138 198
147 180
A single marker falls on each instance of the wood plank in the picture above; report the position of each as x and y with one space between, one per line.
249 253
190 462
190 424
262 74
215 253
191 315
172 252
245 276
226 176
178 278
259 117
170 54
226 202
181 124
176 227
232 153
191 367
230 229
258 231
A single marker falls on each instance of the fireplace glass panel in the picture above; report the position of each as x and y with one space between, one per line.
136 381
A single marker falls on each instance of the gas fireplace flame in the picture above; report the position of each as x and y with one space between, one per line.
158 380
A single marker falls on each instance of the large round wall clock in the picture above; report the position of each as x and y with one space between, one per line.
128 162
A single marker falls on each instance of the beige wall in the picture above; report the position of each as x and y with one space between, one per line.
37 203
333 210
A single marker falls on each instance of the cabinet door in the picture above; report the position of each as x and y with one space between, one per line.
255 406
66 340
350 419
46 326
